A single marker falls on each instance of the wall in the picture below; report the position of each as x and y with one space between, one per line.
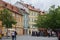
19 26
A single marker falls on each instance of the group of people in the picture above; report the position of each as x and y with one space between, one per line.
51 33
48 33
14 33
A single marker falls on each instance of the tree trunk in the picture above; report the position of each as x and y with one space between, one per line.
7 33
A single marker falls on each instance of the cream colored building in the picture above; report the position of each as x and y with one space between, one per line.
32 17
33 14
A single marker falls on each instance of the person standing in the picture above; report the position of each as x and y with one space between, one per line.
49 32
58 35
0 34
15 34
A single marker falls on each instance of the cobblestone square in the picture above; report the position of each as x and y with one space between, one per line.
32 38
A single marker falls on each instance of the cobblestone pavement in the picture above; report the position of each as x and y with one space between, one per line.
32 38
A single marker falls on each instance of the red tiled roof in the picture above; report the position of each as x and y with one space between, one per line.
30 7
10 7
33 9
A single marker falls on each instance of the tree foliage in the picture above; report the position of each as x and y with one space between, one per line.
7 18
49 20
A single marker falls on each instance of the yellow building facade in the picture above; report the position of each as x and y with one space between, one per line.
19 26
17 16
32 17
33 14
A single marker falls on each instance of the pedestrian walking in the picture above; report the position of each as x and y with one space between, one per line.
0 34
53 33
49 32
13 35
58 35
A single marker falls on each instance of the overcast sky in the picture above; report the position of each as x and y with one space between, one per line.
41 4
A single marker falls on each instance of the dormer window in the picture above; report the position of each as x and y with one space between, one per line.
23 9
5 4
12 7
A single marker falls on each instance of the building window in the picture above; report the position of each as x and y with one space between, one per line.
17 16
12 7
32 19
36 14
5 4
31 13
13 14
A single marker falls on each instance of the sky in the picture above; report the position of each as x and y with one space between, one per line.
41 4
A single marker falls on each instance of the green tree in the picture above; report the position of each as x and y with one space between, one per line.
49 20
40 22
7 18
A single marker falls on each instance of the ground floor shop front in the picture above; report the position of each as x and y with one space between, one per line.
22 31
18 30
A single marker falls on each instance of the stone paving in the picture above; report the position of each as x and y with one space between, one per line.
32 38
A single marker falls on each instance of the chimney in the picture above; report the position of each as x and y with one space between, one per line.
33 6
21 1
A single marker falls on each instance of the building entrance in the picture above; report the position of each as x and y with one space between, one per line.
25 31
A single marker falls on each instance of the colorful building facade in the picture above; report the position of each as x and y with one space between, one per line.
24 12
32 17
25 20
17 16
33 14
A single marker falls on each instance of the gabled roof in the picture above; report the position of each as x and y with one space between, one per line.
23 11
32 8
10 7
29 7
21 6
